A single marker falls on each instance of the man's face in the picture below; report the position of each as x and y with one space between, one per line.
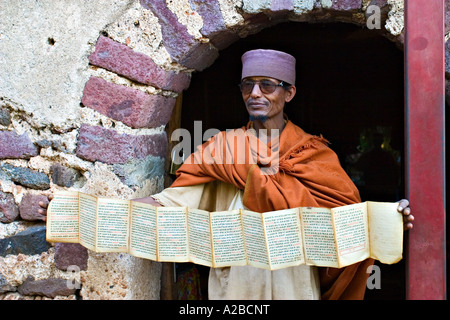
263 106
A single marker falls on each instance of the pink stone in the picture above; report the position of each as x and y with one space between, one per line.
133 107
14 146
99 144
136 66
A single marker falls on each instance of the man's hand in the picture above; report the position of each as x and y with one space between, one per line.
405 210
44 206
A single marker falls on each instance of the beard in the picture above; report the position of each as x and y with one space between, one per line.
260 118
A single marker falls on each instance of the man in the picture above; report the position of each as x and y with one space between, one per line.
291 169
307 173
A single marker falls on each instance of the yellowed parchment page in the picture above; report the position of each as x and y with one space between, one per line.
385 232
318 237
63 218
352 234
199 234
254 239
112 225
143 230
284 238
88 220
227 239
172 234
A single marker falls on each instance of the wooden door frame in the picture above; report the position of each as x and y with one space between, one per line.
425 148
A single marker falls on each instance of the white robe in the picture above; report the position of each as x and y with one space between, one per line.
242 283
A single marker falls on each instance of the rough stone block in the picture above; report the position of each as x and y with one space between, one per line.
213 24
29 242
5 286
282 5
181 46
136 66
70 254
8 208
14 146
137 172
99 144
26 177
29 207
50 287
5 117
346 5
133 107
63 176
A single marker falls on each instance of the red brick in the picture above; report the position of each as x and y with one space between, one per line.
99 144
133 107
136 66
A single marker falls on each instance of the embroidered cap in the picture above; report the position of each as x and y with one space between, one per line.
269 63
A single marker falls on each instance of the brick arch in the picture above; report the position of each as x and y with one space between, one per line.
149 99
257 15
137 109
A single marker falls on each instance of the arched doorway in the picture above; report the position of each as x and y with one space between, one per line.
349 89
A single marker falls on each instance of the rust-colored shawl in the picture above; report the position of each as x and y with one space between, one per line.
309 175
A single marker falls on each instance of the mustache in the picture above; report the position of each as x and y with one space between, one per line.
255 101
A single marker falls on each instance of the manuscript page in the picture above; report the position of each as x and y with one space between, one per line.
112 225
199 234
88 220
62 218
172 234
254 239
143 230
352 234
284 238
385 232
318 237
227 239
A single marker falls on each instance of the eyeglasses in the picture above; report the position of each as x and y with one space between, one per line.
266 86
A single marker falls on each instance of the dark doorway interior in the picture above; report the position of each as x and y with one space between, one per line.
349 89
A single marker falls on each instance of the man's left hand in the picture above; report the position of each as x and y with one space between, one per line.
405 210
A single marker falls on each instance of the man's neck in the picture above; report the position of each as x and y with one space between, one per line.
268 129
273 125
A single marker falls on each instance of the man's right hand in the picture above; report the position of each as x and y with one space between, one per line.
44 206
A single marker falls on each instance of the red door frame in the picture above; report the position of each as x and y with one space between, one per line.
425 148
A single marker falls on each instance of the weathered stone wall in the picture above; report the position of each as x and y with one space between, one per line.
86 90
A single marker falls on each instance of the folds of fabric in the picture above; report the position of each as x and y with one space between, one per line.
295 169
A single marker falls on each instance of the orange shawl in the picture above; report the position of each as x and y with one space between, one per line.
309 175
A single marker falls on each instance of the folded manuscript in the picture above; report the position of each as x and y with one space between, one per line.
272 240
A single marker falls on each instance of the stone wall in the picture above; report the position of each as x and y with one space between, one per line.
86 90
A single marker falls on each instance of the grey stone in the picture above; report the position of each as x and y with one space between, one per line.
30 242
26 177
63 176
